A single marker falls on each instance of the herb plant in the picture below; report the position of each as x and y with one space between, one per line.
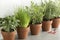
22 17
36 13
50 9
9 24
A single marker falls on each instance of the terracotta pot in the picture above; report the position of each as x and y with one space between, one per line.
46 25
8 35
35 29
56 23
23 32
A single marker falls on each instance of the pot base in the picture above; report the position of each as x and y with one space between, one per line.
22 32
56 23
46 25
8 35
35 29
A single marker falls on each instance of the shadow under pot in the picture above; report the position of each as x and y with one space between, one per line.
56 22
35 29
46 25
8 35
22 32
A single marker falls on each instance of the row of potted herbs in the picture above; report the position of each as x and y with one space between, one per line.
30 19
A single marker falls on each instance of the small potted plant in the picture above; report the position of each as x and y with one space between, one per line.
8 28
23 23
56 20
49 12
36 14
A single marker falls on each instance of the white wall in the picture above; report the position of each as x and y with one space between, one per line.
7 7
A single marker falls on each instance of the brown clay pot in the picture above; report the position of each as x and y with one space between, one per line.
35 29
8 35
22 32
56 23
46 25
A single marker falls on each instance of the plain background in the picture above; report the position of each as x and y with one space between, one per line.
7 7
